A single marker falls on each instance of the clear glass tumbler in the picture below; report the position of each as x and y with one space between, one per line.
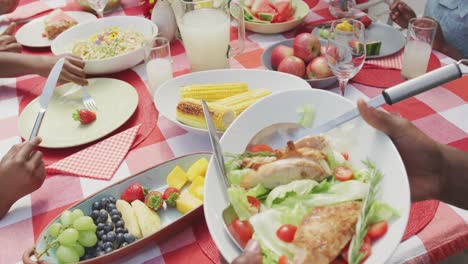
342 8
419 39
98 6
158 62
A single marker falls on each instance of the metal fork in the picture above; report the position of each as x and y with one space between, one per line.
88 101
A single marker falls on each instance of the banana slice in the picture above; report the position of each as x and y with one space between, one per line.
147 219
129 217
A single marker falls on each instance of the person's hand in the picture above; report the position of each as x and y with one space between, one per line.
421 155
21 172
401 13
8 42
72 71
252 254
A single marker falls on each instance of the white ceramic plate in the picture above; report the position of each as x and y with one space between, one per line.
392 39
275 28
357 138
167 96
65 42
116 101
31 34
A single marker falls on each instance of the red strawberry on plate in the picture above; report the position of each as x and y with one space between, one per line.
134 192
84 116
171 195
366 21
154 200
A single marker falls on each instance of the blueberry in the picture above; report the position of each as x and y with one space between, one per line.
100 253
94 214
109 249
115 218
87 256
90 250
120 223
110 207
112 199
111 236
120 238
108 245
123 244
115 212
109 227
119 230
124 230
100 226
100 233
99 246
97 206
129 238
104 238
104 202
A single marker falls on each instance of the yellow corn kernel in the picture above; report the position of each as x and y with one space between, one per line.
190 111
212 92
177 178
242 101
197 187
198 168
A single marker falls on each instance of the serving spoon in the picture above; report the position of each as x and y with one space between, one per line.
276 135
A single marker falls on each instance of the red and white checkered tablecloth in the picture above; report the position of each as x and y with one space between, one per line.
441 113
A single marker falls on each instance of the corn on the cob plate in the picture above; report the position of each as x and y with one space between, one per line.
258 84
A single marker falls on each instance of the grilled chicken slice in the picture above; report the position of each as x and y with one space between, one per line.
325 231
292 150
256 161
314 141
284 171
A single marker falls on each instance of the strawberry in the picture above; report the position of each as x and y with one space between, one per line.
134 192
84 116
171 195
366 21
154 200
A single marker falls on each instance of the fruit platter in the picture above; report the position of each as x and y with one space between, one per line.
304 57
273 16
381 40
145 208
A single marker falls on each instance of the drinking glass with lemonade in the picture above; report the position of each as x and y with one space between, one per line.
205 28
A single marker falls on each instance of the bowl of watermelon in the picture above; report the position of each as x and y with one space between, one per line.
304 57
273 16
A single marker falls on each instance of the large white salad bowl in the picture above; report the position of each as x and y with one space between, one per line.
356 138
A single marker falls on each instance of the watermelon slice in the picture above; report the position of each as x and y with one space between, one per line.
266 16
373 48
263 6
248 16
285 11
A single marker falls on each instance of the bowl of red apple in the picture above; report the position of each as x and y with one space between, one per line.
303 56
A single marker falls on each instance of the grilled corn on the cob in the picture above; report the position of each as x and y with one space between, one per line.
212 92
240 102
190 111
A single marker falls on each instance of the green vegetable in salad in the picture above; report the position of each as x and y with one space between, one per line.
238 199
258 192
381 211
236 176
294 188
307 115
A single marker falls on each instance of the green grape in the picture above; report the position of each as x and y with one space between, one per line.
66 219
66 254
68 236
87 238
78 248
75 214
55 229
83 223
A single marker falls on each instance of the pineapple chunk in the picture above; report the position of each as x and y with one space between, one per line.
177 178
129 217
187 202
197 186
197 169
147 219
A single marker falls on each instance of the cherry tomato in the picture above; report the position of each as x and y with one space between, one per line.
377 230
286 232
283 260
254 202
343 173
243 229
365 248
259 148
345 155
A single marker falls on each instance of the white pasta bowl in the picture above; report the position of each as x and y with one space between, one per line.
64 42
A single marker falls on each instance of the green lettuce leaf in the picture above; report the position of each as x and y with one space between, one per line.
238 199
294 188
293 216
236 176
381 211
338 193
307 115
265 225
258 191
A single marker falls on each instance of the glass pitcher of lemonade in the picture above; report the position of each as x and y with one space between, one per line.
205 27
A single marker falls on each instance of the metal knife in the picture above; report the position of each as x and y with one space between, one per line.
46 95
